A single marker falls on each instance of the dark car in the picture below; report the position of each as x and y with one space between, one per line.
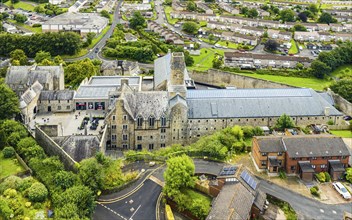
347 118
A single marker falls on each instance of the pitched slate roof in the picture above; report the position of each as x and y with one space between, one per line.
80 147
306 166
269 144
57 95
30 94
254 103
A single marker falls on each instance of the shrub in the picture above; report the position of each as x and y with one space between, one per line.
327 177
11 182
36 25
314 191
330 122
282 174
37 192
321 177
9 152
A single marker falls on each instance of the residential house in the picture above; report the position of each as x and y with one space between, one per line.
336 27
119 67
326 36
56 101
135 7
343 37
239 38
306 36
280 35
347 27
229 8
217 25
177 6
269 24
29 102
204 7
301 155
323 27
255 31
263 13
166 33
311 26
344 18
339 12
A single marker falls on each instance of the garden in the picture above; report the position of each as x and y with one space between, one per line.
9 164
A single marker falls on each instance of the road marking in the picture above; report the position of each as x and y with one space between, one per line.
157 181
157 214
113 211
134 212
333 211
322 210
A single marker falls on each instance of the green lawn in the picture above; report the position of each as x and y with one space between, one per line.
293 49
344 71
25 26
316 84
82 52
228 44
342 133
98 38
204 61
168 10
9 166
23 5
203 23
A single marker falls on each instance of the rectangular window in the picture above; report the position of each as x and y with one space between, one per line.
313 166
113 137
293 158
163 130
151 146
314 158
162 145
279 153
293 167
124 137
322 166
68 101
59 107
162 137
264 154
68 107
139 138
343 157
125 117
125 146
114 117
263 162
124 127
113 127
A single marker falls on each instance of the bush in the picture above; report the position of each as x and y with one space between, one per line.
327 177
36 25
8 152
323 177
330 122
314 191
12 182
37 192
282 174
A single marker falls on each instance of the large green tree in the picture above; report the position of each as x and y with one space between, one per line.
90 173
326 18
42 55
271 45
19 57
78 71
137 20
190 27
343 88
287 15
179 175
319 69
8 102
11 132
284 122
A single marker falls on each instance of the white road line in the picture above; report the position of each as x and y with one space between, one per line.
135 212
333 211
322 210
113 211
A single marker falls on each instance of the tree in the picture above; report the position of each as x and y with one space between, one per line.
19 55
190 27
319 69
78 71
349 174
271 45
37 192
191 6
8 102
20 18
326 18
299 27
284 122
252 13
58 60
137 20
217 62
211 37
105 14
303 16
343 88
8 130
64 179
243 10
8 152
90 174
313 8
237 132
287 15
42 55
178 175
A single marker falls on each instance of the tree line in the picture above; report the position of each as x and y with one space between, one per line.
62 43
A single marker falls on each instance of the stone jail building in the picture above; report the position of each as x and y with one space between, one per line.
179 114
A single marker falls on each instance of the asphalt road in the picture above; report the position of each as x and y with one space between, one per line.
139 206
306 208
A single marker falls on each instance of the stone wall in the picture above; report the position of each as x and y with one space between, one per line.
53 149
344 105
50 130
221 78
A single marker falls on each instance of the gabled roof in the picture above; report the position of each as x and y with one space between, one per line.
269 144
80 147
57 95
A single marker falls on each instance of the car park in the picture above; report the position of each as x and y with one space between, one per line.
341 190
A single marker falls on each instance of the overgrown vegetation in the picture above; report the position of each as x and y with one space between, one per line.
323 177
284 206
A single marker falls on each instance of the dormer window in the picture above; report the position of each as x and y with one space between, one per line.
163 121
139 121
151 121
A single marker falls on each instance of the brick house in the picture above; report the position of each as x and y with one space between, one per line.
301 155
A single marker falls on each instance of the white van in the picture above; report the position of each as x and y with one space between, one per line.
342 190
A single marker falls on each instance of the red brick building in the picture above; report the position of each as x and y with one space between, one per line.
301 155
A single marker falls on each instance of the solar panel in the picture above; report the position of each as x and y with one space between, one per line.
249 179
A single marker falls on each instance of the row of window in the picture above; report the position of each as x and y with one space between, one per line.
315 158
139 138
266 154
59 107
59 101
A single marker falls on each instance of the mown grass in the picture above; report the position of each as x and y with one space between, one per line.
9 166
26 26
23 5
82 52
204 61
293 49
168 10
342 133
344 71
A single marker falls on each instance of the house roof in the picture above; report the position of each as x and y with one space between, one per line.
230 55
336 165
94 91
306 167
233 202
268 144
254 103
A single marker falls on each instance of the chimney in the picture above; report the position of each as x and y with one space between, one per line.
327 111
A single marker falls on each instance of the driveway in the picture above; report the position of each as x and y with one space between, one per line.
306 208
140 205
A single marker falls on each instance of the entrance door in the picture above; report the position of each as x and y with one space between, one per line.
49 108
275 169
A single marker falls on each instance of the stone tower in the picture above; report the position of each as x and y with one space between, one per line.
176 84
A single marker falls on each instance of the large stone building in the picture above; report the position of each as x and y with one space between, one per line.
179 114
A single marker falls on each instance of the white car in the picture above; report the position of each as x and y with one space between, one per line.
342 190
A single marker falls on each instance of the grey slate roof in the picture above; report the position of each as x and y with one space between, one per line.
94 92
305 145
30 94
249 103
234 202
113 80
269 144
315 146
336 165
80 147
306 166
57 95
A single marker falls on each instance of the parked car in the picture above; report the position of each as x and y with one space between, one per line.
347 118
342 190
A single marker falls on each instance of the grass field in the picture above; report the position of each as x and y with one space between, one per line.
25 26
168 9
293 49
228 44
204 61
316 84
82 52
344 71
9 166
23 5
342 133
98 38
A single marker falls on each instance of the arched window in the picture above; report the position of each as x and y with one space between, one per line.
163 121
151 121
139 121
